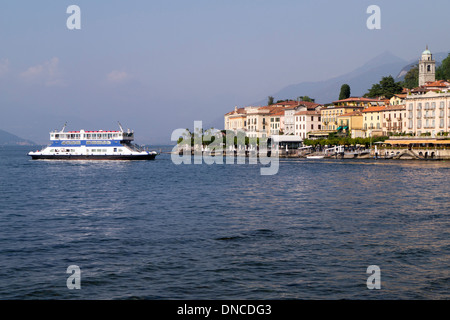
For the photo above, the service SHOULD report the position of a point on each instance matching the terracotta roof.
(238, 111)
(293, 104)
(287, 103)
(438, 83)
(374, 109)
(395, 107)
(309, 104)
(359, 99)
(340, 107)
(277, 113)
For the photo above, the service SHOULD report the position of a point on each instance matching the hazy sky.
(159, 65)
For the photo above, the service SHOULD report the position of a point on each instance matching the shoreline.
(383, 154)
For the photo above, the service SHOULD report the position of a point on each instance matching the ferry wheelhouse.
(93, 145)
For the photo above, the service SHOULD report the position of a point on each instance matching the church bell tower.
(427, 68)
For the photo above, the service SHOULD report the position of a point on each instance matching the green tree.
(306, 98)
(443, 71)
(345, 92)
(411, 78)
(387, 87)
(270, 101)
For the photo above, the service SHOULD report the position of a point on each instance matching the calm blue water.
(155, 230)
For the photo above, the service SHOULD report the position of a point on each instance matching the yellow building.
(330, 120)
(372, 121)
(352, 122)
(358, 102)
(330, 115)
(397, 99)
(236, 119)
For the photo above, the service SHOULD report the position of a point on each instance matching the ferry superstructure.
(92, 145)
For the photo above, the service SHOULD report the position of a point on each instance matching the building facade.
(306, 122)
(372, 121)
(428, 113)
(352, 122)
(394, 119)
(236, 119)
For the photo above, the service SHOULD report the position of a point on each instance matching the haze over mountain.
(360, 80)
(7, 138)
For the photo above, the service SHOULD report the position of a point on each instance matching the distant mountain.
(360, 81)
(438, 57)
(7, 138)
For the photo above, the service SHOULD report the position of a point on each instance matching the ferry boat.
(93, 145)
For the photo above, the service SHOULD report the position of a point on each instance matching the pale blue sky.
(159, 65)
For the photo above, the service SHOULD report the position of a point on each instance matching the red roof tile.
(374, 109)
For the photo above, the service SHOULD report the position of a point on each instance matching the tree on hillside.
(306, 98)
(411, 78)
(345, 92)
(443, 72)
(387, 87)
(270, 101)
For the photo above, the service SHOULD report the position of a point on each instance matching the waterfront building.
(330, 114)
(236, 119)
(352, 123)
(277, 122)
(372, 121)
(428, 113)
(307, 121)
(394, 119)
(289, 121)
(258, 120)
(291, 107)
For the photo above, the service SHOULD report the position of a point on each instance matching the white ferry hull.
(36, 156)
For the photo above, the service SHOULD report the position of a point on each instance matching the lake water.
(156, 230)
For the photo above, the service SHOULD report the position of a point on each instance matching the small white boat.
(315, 157)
